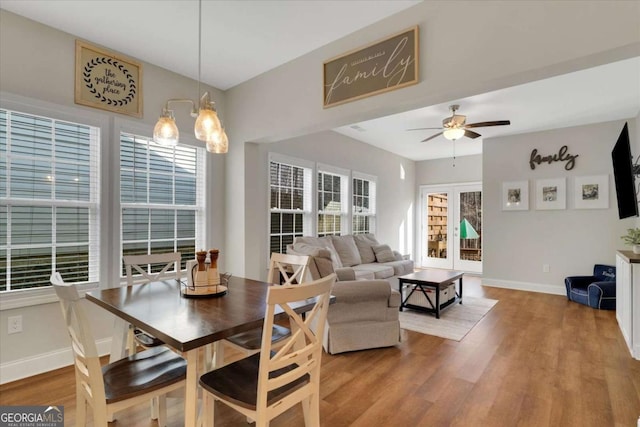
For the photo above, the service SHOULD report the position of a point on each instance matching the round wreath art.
(94, 89)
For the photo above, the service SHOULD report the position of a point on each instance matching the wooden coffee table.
(430, 279)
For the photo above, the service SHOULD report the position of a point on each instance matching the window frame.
(372, 214)
(42, 295)
(198, 208)
(308, 225)
(345, 192)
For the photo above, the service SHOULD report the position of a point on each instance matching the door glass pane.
(437, 225)
(470, 226)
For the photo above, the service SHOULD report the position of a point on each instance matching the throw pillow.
(347, 250)
(365, 242)
(384, 253)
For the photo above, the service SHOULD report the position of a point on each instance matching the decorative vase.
(636, 249)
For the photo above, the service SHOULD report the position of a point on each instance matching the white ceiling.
(600, 94)
(242, 39)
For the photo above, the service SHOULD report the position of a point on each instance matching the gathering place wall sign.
(388, 64)
(107, 81)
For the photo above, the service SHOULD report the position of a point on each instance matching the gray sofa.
(365, 314)
(352, 257)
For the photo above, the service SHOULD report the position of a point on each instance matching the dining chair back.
(142, 269)
(287, 269)
(152, 268)
(263, 386)
(118, 385)
(284, 269)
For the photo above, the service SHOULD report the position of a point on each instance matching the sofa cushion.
(364, 243)
(402, 267)
(380, 271)
(321, 242)
(347, 250)
(383, 253)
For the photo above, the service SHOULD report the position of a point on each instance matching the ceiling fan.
(454, 127)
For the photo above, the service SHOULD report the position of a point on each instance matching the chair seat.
(142, 372)
(238, 382)
(252, 340)
(145, 339)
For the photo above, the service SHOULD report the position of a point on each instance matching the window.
(332, 203)
(290, 202)
(49, 193)
(161, 197)
(364, 204)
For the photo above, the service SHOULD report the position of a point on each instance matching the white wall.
(487, 46)
(394, 198)
(570, 241)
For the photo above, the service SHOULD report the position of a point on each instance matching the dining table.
(189, 324)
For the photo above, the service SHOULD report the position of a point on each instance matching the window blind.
(162, 198)
(49, 194)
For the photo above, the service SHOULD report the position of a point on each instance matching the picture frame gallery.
(589, 192)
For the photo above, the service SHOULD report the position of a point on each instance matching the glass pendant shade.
(218, 144)
(166, 132)
(453, 133)
(207, 124)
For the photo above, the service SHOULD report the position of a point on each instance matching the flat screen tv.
(623, 174)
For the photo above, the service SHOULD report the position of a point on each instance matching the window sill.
(30, 297)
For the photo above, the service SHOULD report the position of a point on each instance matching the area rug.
(454, 323)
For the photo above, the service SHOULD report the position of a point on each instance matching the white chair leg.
(208, 408)
(218, 348)
(162, 410)
(153, 407)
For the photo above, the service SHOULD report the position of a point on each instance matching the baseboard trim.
(45, 362)
(525, 286)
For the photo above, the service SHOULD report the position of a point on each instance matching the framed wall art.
(107, 81)
(515, 196)
(591, 192)
(388, 64)
(551, 194)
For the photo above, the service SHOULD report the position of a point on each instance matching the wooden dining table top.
(186, 323)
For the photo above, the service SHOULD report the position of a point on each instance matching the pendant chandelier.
(208, 127)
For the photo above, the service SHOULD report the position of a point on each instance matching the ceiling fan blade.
(431, 137)
(424, 129)
(483, 124)
(471, 134)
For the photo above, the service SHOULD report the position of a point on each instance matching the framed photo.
(107, 81)
(515, 196)
(591, 192)
(551, 194)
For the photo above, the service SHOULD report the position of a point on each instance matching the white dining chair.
(127, 382)
(284, 269)
(265, 385)
(142, 269)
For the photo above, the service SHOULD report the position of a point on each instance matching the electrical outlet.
(545, 268)
(14, 324)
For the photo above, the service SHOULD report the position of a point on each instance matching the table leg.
(460, 289)
(437, 301)
(400, 290)
(191, 389)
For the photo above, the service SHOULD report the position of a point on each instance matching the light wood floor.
(534, 360)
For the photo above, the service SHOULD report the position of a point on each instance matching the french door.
(451, 227)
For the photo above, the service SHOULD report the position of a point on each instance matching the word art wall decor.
(107, 81)
(561, 156)
(385, 65)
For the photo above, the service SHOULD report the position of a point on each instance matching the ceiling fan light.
(453, 133)
(165, 131)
